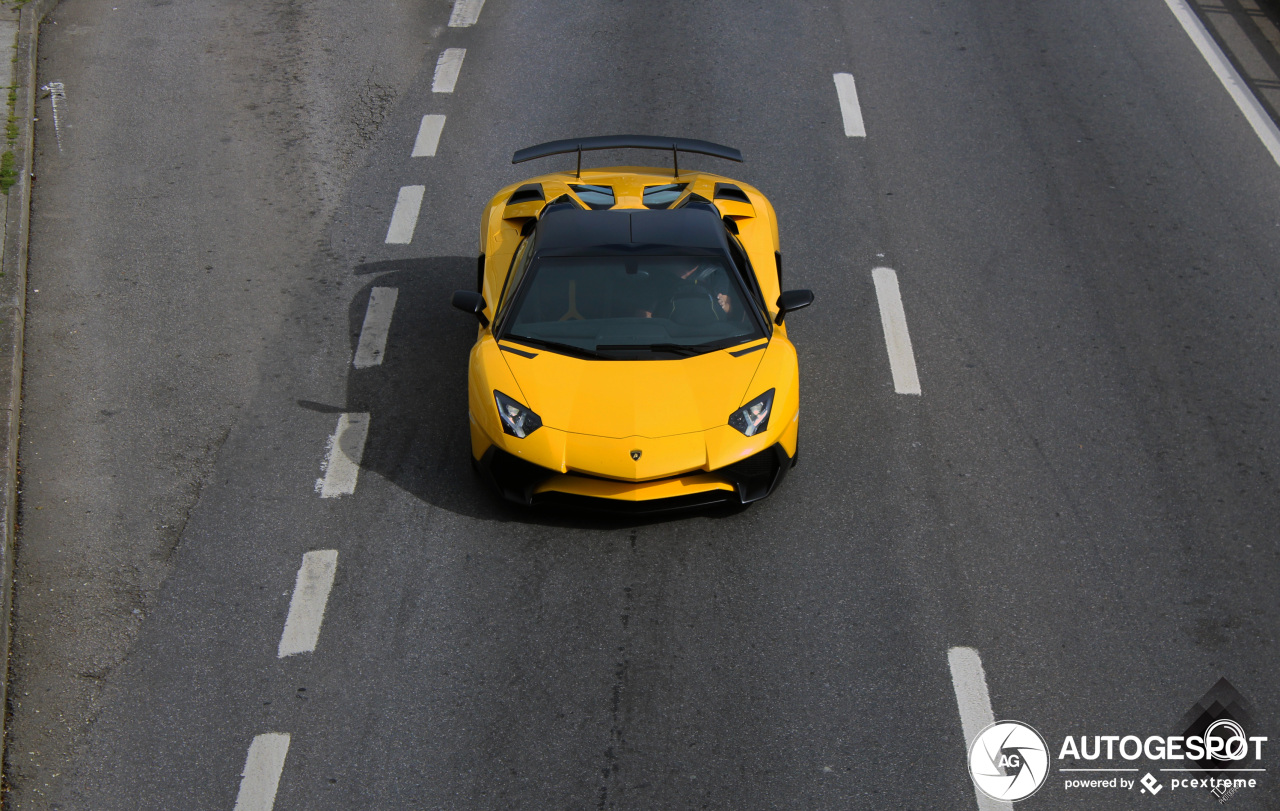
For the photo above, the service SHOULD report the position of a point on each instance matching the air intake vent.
(526, 193)
(728, 191)
(763, 465)
(561, 202)
(695, 200)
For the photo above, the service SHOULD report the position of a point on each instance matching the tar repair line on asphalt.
(850, 111)
(377, 323)
(405, 216)
(1230, 78)
(261, 775)
(465, 13)
(306, 608)
(902, 361)
(970, 683)
(448, 66)
(342, 461)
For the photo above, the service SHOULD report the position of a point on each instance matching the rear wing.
(580, 145)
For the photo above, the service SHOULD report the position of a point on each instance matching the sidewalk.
(18, 30)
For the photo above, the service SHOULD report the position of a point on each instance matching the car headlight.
(753, 417)
(517, 420)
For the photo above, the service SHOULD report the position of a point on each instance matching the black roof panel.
(576, 228)
(570, 230)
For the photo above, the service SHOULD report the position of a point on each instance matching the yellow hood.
(624, 398)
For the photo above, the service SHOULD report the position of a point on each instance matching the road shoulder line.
(1248, 103)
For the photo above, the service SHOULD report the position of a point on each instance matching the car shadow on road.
(417, 397)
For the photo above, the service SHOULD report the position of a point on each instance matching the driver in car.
(708, 275)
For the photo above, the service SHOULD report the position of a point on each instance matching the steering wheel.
(701, 309)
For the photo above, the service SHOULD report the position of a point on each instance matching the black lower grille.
(757, 475)
(623, 507)
(753, 478)
(513, 477)
(762, 465)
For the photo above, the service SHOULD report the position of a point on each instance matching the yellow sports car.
(632, 353)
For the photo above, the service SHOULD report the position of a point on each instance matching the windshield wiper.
(675, 349)
(565, 349)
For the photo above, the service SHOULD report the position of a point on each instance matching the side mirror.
(469, 301)
(788, 301)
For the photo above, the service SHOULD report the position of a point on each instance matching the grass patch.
(8, 161)
(8, 174)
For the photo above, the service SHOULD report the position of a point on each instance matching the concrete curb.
(13, 299)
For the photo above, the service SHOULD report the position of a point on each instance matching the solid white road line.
(849, 109)
(970, 683)
(405, 217)
(377, 323)
(428, 136)
(261, 775)
(1230, 78)
(901, 359)
(447, 68)
(310, 596)
(465, 13)
(342, 461)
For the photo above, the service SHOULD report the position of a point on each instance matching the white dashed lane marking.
(342, 462)
(465, 13)
(377, 323)
(405, 217)
(261, 775)
(428, 137)
(447, 68)
(974, 702)
(1230, 78)
(902, 361)
(847, 92)
(310, 596)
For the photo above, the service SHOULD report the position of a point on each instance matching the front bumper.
(742, 482)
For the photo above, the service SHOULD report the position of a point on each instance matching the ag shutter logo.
(1009, 760)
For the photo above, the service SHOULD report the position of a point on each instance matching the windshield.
(630, 307)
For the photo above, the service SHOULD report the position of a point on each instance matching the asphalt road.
(1085, 234)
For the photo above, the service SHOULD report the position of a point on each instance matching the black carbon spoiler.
(580, 145)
